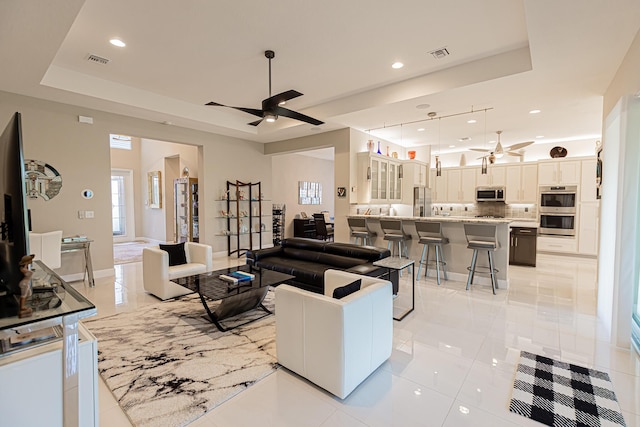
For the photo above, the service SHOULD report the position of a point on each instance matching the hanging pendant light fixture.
(483, 170)
(438, 165)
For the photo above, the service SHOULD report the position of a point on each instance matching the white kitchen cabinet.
(560, 244)
(588, 228)
(588, 181)
(414, 174)
(438, 186)
(559, 172)
(461, 185)
(395, 183)
(378, 180)
(522, 183)
(496, 176)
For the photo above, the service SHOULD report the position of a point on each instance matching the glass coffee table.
(233, 298)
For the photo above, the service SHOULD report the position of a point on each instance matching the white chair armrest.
(336, 278)
(199, 253)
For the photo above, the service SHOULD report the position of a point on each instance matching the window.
(121, 142)
(118, 205)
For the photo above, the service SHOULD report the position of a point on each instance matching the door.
(122, 212)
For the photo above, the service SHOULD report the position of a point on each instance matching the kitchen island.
(456, 254)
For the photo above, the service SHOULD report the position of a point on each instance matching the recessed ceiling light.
(534, 111)
(422, 106)
(539, 136)
(472, 121)
(397, 65)
(452, 146)
(421, 130)
(117, 42)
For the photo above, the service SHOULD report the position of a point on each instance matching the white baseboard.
(97, 274)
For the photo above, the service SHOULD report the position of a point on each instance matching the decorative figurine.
(25, 285)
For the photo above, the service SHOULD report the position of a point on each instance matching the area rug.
(167, 365)
(555, 393)
(127, 252)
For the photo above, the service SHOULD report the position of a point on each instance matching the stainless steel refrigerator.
(421, 201)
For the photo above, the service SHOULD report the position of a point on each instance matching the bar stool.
(482, 237)
(394, 233)
(430, 233)
(360, 230)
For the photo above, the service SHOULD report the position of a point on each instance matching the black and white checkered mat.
(561, 394)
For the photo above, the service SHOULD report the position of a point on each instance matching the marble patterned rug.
(167, 365)
(127, 252)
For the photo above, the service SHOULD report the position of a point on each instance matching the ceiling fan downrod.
(269, 54)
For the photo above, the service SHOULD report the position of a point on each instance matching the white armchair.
(47, 247)
(335, 343)
(157, 274)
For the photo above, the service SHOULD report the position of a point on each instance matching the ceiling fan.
(499, 151)
(272, 106)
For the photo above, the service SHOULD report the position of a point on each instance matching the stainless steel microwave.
(490, 194)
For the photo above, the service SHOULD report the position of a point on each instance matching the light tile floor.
(453, 361)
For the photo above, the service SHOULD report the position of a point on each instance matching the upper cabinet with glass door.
(378, 179)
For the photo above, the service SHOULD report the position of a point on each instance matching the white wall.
(81, 154)
(340, 141)
(158, 224)
(288, 169)
(619, 247)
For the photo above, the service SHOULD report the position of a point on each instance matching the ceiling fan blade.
(519, 146)
(256, 123)
(281, 97)
(482, 150)
(297, 116)
(253, 111)
(513, 153)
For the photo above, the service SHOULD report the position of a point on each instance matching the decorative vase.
(370, 146)
(412, 154)
(379, 152)
(387, 151)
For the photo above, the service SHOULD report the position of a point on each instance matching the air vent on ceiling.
(440, 53)
(98, 59)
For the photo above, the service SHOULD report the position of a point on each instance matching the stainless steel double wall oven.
(558, 210)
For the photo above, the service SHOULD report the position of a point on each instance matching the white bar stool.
(482, 237)
(430, 233)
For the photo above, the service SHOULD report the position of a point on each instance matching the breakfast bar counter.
(456, 254)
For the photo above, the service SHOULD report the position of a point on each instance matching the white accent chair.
(47, 247)
(335, 343)
(157, 274)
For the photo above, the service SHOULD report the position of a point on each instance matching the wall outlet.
(526, 209)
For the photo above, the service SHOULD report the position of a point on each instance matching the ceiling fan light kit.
(499, 151)
(272, 107)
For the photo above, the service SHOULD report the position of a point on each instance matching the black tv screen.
(13, 216)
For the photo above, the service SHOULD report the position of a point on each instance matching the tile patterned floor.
(453, 360)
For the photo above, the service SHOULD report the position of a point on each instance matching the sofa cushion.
(345, 290)
(367, 253)
(177, 256)
(184, 270)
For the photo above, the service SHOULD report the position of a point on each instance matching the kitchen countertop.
(519, 222)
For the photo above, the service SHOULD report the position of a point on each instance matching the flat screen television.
(14, 243)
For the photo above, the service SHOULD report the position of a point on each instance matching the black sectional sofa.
(307, 260)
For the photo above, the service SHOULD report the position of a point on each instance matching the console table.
(304, 227)
(28, 368)
(80, 244)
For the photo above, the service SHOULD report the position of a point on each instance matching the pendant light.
(438, 165)
(499, 151)
(483, 170)
(400, 169)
